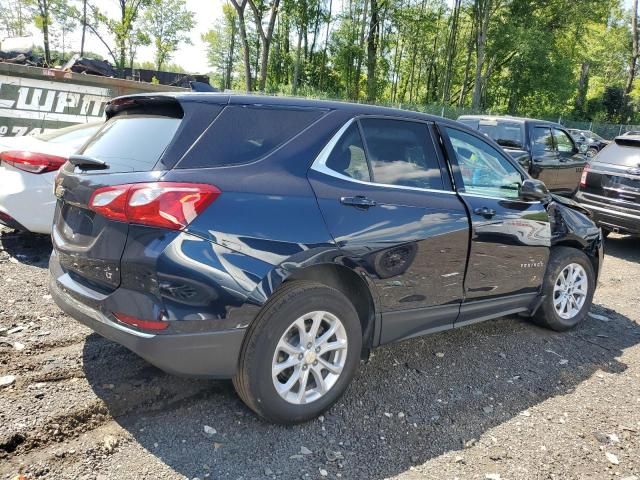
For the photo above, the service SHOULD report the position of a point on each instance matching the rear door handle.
(486, 212)
(358, 201)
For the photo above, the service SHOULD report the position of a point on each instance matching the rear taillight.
(583, 178)
(32, 162)
(160, 204)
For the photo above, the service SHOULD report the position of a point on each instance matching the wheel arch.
(352, 285)
(593, 257)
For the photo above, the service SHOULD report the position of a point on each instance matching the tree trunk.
(634, 49)
(230, 56)
(372, 51)
(265, 37)
(84, 26)
(483, 14)
(363, 30)
(583, 85)
(467, 69)
(451, 52)
(246, 56)
(296, 70)
(326, 46)
(43, 6)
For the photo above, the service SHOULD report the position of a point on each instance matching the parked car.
(610, 186)
(592, 140)
(545, 149)
(275, 241)
(28, 166)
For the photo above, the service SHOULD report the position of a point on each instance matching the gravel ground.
(503, 399)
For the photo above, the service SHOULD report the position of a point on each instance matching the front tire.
(300, 353)
(568, 287)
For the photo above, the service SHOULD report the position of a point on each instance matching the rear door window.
(348, 158)
(542, 140)
(401, 153)
(245, 133)
(132, 143)
(563, 142)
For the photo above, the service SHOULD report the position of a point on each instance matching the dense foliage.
(546, 58)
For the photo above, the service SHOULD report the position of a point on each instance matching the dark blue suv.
(275, 241)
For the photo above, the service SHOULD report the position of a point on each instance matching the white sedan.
(28, 167)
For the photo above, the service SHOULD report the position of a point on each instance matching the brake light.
(168, 205)
(141, 324)
(583, 178)
(32, 162)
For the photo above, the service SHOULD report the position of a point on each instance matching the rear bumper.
(611, 216)
(201, 354)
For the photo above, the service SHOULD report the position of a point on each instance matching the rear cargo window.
(132, 143)
(242, 134)
(624, 153)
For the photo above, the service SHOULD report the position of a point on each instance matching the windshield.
(505, 134)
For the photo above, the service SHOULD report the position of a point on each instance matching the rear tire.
(276, 358)
(568, 287)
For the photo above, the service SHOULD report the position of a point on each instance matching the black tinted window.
(401, 153)
(347, 158)
(132, 143)
(506, 134)
(542, 140)
(244, 133)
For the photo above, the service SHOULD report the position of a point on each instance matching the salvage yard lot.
(503, 399)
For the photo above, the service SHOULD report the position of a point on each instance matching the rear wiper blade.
(87, 163)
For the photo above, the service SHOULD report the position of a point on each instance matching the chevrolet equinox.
(276, 241)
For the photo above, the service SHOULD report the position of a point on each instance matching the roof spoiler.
(628, 141)
(145, 104)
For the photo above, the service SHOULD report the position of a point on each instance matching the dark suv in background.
(275, 241)
(592, 140)
(610, 186)
(545, 149)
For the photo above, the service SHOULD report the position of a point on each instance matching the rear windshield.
(627, 154)
(505, 134)
(245, 133)
(132, 143)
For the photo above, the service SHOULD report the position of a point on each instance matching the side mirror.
(584, 148)
(532, 190)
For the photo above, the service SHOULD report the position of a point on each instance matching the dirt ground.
(499, 400)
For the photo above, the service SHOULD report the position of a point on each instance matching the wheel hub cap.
(570, 291)
(309, 357)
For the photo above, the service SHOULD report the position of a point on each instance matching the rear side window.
(245, 133)
(132, 143)
(401, 153)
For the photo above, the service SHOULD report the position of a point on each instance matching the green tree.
(168, 23)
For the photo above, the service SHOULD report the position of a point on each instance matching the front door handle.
(359, 201)
(486, 212)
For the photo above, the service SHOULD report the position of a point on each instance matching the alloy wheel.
(309, 357)
(570, 291)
